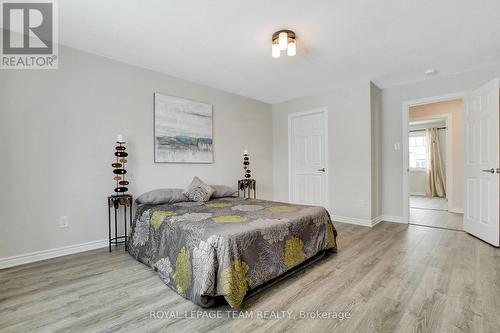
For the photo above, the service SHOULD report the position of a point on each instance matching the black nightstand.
(115, 201)
(247, 186)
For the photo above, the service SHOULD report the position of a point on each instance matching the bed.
(228, 247)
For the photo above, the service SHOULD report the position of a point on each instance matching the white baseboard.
(456, 210)
(376, 220)
(357, 221)
(352, 220)
(51, 253)
(422, 194)
(395, 219)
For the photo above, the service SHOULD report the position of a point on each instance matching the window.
(418, 153)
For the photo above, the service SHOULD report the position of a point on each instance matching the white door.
(308, 157)
(481, 217)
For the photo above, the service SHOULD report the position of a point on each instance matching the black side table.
(115, 201)
(247, 186)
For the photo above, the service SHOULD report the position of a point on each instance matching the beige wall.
(417, 180)
(57, 132)
(456, 110)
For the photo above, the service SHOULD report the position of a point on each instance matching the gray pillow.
(198, 191)
(162, 196)
(221, 191)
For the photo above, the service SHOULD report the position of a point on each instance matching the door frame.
(405, 146)
(291, 116)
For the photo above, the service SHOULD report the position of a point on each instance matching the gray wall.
(392, 111)
(57, 141)
(349, 124)
(57, 131)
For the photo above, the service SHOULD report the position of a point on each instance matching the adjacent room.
(436, 160)
(249, 166)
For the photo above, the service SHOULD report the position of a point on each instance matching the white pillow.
(198, 190)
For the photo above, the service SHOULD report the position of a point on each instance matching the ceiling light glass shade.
(291, 49)
(276, 51)
(283, 40)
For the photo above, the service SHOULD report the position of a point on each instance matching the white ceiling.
(227, 44)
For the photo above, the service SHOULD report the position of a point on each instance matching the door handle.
(322, 170)
(492, 170)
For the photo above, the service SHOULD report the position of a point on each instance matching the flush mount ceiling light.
(284, 40)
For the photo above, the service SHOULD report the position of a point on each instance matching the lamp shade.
(291, 49)
(283, 40)
(276, 51)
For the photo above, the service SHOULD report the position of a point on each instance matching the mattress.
(228, 247)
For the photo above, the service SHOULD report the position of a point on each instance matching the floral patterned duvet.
(227, 246)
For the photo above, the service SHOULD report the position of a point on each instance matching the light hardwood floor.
(391, 278)
(437, 218)
(433, 212)
(423, 202)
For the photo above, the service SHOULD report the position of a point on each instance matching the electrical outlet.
(63, 222)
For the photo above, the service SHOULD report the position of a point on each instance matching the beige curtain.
(435, 173)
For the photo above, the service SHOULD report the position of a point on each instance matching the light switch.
(397, 146)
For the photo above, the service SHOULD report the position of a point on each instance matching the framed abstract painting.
(182, 130)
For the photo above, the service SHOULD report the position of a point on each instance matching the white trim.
(394, 219)
(357, 221)
(420, 194)
(456, 210)
(352, 220)
(324, 111)
(51, 253)
(405, 119)
(370, 223)
(376, 220)
(435, 99)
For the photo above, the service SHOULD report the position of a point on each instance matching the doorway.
(308, 157)
(480, 163)
(435, 164)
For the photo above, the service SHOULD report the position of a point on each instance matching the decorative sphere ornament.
(246, 165)
(119, 168)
